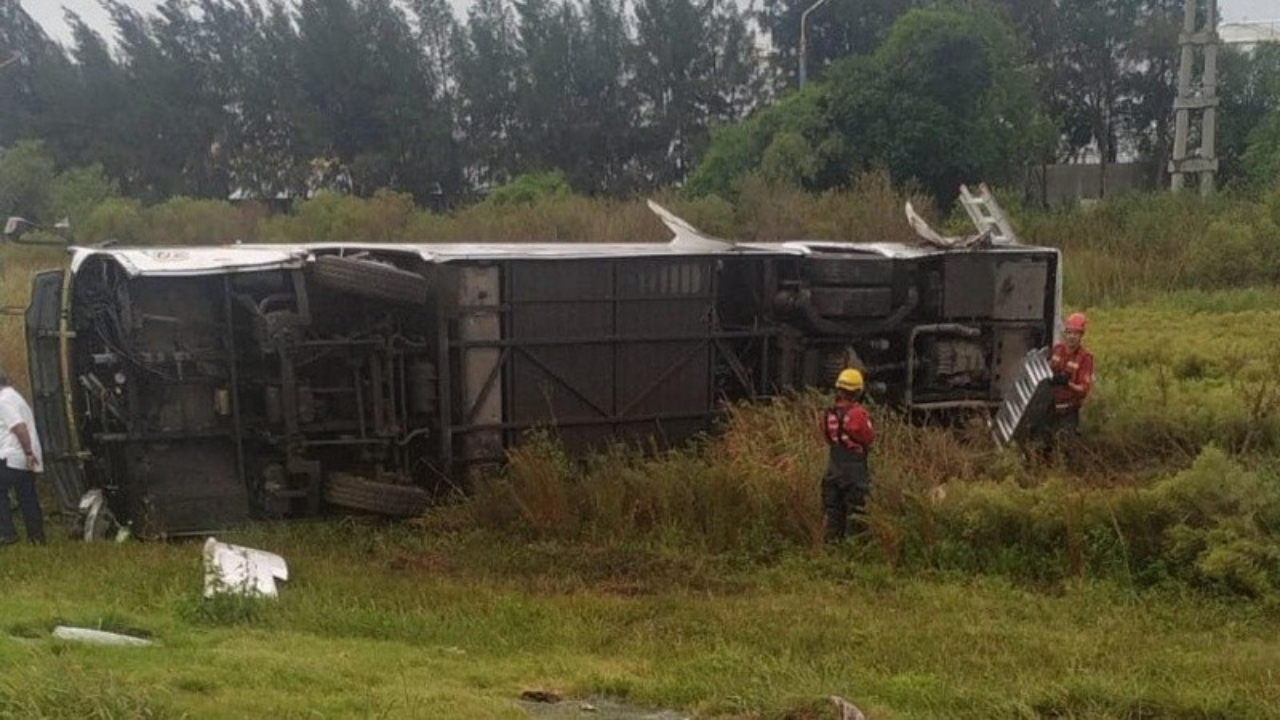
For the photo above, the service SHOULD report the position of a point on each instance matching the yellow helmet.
(850, 379)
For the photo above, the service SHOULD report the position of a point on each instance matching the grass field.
(402, 622)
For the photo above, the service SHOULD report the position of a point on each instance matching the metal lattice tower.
(1196, 95)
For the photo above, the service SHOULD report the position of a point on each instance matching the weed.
(223, 609)
(75, 693)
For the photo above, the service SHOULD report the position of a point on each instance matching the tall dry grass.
(18, 264)
(871, 209)
(751, 485)
(941, 499)
(1137, 245)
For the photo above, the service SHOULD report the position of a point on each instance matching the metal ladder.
(986, 215)
(1027, 401)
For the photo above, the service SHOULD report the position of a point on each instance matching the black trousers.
(845, 487)
(23, 484)
(1058, 431)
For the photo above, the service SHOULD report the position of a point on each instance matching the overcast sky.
(49, 13)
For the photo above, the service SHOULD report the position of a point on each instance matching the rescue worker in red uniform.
(849, 434)
(1072, 379)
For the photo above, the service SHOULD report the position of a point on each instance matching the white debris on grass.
(238, 570)
(98, 637)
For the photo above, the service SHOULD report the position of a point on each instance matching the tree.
(737, 75)
(1112, 80)
(172, 118)
(1250, 97)
(254, 50)
(838, 29)
(488, 67)
(336, 121)
(260, 98)
(604, 104)
(798, 123)
(30, 66)
(548, 39)
(1149, 84)
(26, 173)
(670, 63)
(1261, 159)
(440, 40)
(75, 192)
(691, 62)
(416, 152)
(86, 114)
(948, 98)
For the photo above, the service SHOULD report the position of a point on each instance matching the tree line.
(221, 98)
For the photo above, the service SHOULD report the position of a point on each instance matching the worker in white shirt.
(20, 460)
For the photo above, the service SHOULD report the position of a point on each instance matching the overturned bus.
(200, 387)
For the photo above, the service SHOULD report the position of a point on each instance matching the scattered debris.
(542, 696)
(233, 569)
(96, 522)
(848, 711)
(950, 242)
(686, 235)
(98, 637)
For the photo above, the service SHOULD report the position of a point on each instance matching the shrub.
(119, 219)
(528, 189)
(187, 221)
(76, 192)
(1219, 525)
(1227, 254)
(26, 174)
(335, 217)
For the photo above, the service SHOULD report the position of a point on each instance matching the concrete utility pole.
(804, 41)
(1200, 98)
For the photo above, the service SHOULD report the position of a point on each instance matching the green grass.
(401, 621)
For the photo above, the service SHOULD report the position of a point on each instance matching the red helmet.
(1076, 322)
